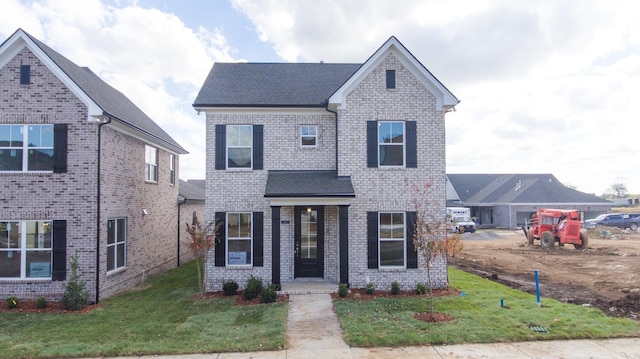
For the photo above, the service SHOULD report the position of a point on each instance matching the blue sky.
(547, 86)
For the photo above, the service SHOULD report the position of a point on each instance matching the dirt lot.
(605, 275)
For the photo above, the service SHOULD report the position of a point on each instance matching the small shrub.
(395, 288)
(75, 297)
(253, 288)
(421, 288)
(41, 302)
(369, 288)
(269, 294)
(12, 302)
(230, 287)
(343, 290)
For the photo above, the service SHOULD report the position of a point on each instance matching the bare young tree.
(430, 229)
(201, 240)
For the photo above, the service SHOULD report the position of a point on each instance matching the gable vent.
(25, 74)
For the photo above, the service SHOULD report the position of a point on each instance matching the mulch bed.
(282, 298)
(30, 306)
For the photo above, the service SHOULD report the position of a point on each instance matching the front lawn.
(478, 318)
(160, 318)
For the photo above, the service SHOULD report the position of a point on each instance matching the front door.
(309, 242)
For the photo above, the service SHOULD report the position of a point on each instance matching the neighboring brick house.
(83, 170)
(190, 204)
(508, 200)
(306, 167)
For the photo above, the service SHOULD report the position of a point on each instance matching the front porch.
(308, 286)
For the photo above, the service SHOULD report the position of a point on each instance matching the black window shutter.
(25, 74)
(258, 239)
(220, 249)
(59, 270)
(391, 79)
(372, 144)
(412, 146)
(258, 147)
(221, 147)
(412, 254)
(60, 148)
(372, 240)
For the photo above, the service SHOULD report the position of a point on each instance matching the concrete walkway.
(313, 332)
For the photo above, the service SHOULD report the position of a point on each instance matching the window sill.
(25, 280)
(396, 269)
(116, 271)
(150, 182)
(239, 267)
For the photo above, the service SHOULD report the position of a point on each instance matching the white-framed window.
(26, 249)
(391, 235)
(150, 163)
(308, 136)
(26, 148)
(172, 169)
(239, 146)
(116, 243)
(391, 135)
(239, 238)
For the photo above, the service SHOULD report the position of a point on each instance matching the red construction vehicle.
(556, 225)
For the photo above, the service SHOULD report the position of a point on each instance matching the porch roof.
(308, 184)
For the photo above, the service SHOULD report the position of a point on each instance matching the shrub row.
(252, 290)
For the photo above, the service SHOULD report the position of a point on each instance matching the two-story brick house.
(83, 170)
(306, 168)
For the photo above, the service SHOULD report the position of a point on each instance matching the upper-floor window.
(239, 146)
(116, 243)
(172, 169)
(391, 79)
(150, 164)
(25, 249)
(391, 234)
(391, 143)
(25, 148)
(308, 136)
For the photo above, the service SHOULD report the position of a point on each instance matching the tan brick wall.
(71, 196)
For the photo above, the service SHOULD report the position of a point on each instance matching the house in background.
(84, 171)
(508, 200)
(190, 206)
(306, 168)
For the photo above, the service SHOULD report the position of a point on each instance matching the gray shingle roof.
(191, 191)
(112, 101)
(272, 84)
(516, 188)
(308, 184)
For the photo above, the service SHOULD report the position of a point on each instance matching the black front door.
(309, 242)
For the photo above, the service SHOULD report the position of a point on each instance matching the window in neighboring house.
(26, 148)
(391, 234)
(239, 238)
(25, 74)
(150, 164)
(172, 169)
(239, 146)
(391, 79)
(309, 136)
(391, 143)
(25, 249)
(116, 243)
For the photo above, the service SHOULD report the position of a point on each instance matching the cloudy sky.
(547, 86)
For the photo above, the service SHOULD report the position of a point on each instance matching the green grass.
(160, 319)
(478, 318)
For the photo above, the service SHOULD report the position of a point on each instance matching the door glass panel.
(309, 235)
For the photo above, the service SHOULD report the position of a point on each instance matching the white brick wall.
(376, 189)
